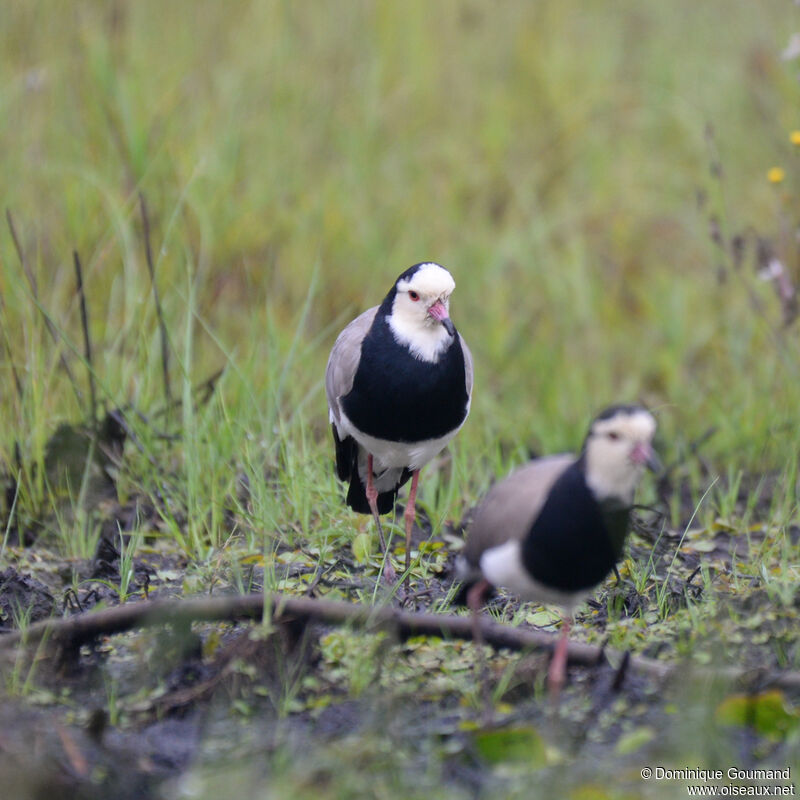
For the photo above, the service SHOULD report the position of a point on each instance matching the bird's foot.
(409, 599)
(389, 573)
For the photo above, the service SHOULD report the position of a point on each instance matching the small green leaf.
(519, 745)
(701, 546)
(211, 644)
(768, 713)
(361, 547)
(242, 708)
(543, 618)
(632, 741)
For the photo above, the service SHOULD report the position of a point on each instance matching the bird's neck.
(424, 342)
(613, 491)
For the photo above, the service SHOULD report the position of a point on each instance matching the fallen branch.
(71, 632)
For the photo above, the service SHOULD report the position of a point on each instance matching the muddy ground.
(163, 713)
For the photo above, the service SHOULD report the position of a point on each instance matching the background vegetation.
(580, 167)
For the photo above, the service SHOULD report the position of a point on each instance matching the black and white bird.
(399, 383)
(555, 528)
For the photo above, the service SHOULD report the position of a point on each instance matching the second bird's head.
(616, 451)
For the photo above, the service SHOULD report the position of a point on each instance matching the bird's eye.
(414, 296)
(613, 435)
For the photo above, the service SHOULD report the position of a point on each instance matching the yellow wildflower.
(794, 138)
(775, 174)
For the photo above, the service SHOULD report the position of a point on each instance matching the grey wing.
(343, 361)
(468, 370)
(511, 505)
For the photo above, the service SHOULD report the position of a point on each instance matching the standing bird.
(399, 381)
(555, 528)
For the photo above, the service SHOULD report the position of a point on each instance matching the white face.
(415, 296)
(421, 305)
(617, 451)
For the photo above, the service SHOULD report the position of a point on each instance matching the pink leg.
(557, 674)
(475, 597)
(410, 514)
(372, 498)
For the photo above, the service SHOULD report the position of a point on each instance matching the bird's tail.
(357, 496)
(347, 470)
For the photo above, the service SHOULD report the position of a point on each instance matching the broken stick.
(72, 632)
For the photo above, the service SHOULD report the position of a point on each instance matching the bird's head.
(616, 451)
(420, 310)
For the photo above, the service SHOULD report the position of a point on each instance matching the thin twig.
(691, 451)
(51, 328)
(87, 341)
(7, 343)
(21, 255)
(70, 633)
(162, 327)
(205, 389)
(663, 483)
(621, 673)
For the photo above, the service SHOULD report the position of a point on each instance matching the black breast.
(401, 398)
(574, 543)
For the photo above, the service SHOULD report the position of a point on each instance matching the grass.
(294, 160)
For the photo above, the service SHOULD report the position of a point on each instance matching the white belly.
(389, 459)
(387, 454)
(502, 566)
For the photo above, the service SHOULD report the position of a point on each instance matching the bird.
(553, 529)
(399, 386)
